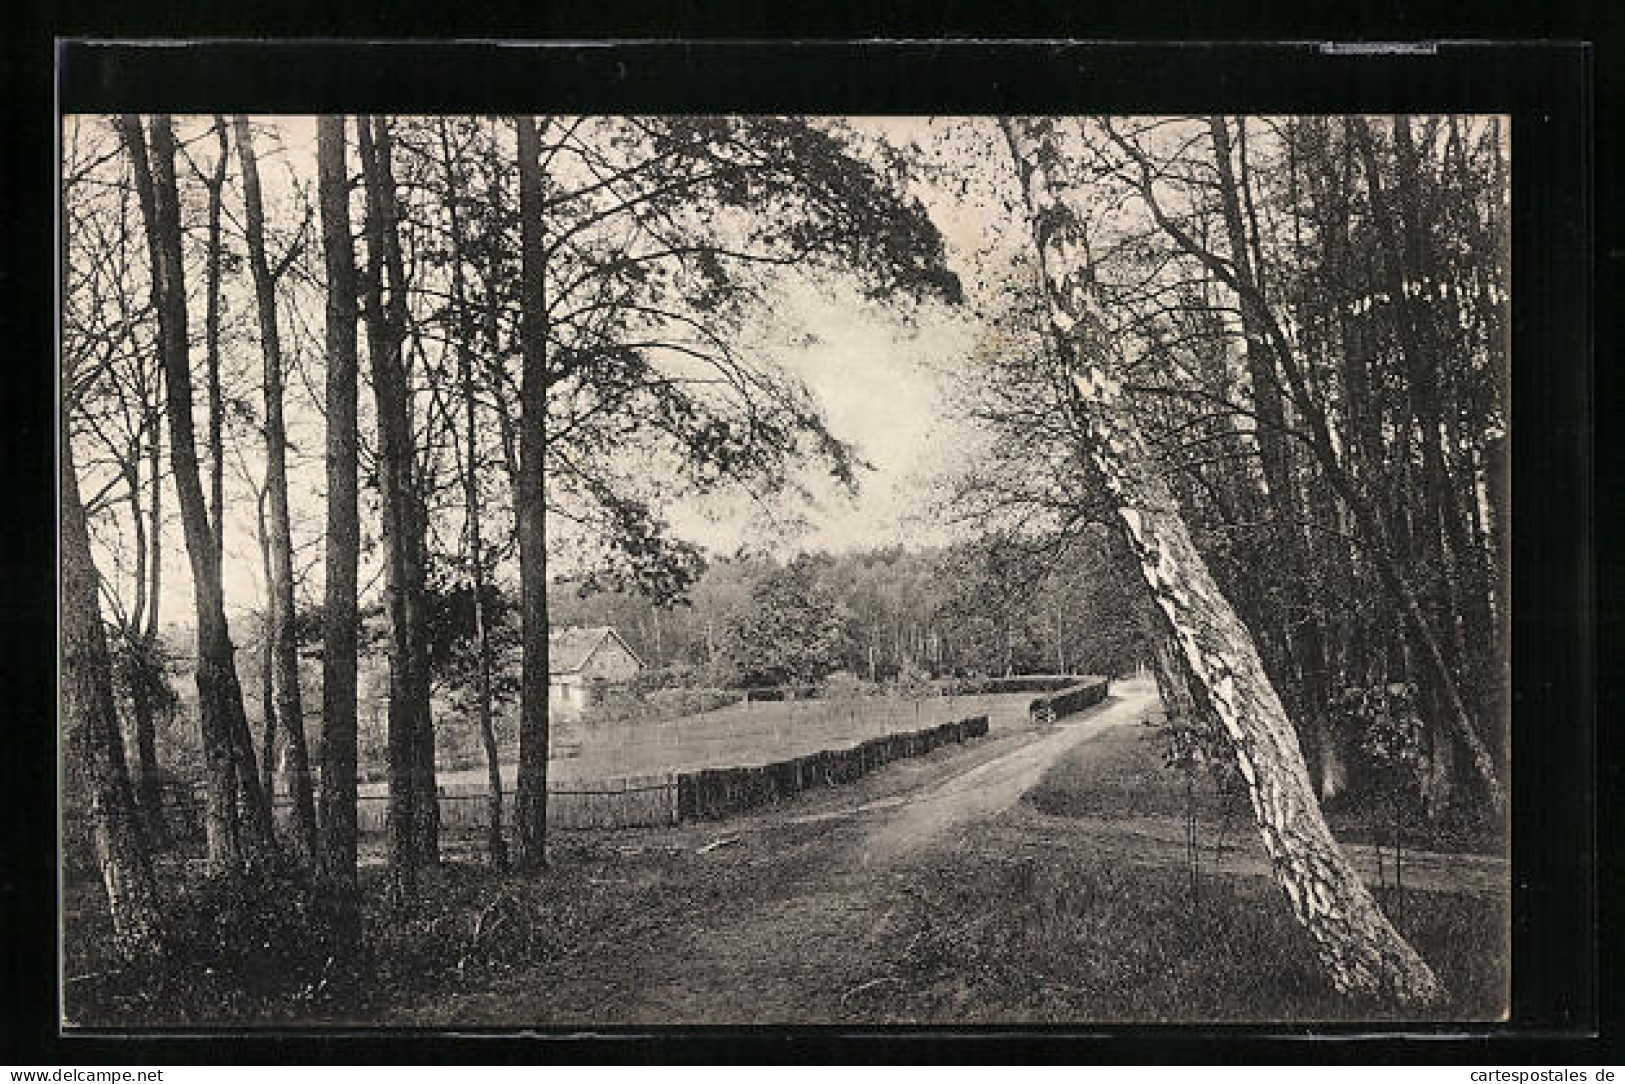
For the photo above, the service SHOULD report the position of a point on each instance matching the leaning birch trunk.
(1360, 951)
(1173, 684)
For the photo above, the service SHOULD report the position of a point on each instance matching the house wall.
(610, 662)
(571, 693)
(567, 694)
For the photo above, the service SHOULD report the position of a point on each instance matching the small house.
(579, 659)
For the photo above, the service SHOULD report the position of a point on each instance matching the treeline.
(972, 609)
(889, 616)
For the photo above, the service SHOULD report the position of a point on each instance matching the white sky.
(876, 384)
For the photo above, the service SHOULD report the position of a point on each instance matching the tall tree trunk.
(384, 348)
(340, 627)
(155, 557)
(268, 711)
(1306, 638)
(280, 588)
(147, 744)
(268, 726)
(149, 787)
(1360, 951)
(531, 510)
(140, 637)
(463, 332)
(227, 748)
(1441, 534)
(426, 829)
(507, 428)
(211, 344)
(1329, 185)
(91, 717)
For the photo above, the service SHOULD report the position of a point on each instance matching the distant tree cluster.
(980, 608)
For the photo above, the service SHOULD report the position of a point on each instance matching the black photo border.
(1545, 87)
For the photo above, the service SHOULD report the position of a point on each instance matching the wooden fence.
(669, 798)
(1067, 701)
(638, 802)
(720, 792)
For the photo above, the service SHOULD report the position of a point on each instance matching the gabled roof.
(569, 649)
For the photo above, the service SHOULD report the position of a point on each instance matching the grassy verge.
(1120, 774)
(1075, 941)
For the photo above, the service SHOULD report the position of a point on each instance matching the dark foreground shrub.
(266, 943)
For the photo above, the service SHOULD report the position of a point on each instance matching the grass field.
(746, 734)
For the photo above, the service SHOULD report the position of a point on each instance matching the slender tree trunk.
(1060, 644)
(1299, 623)
(224, 726)
(426, 829)
(279, 589)
(268, 710)
(425, 834)
(384, 342)
(268, 707)
(1442, 535)
(1360, 951)
(492, 319)
(152, 799)
(496, 844)
(211, 345)
(340, 628)
(1330, 192)
(148, 786)
(91, 719)
(531, 511)
(155, 558)
(144, 674)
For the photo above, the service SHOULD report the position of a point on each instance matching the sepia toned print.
(597, 571)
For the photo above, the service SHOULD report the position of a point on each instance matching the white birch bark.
(1360, 950)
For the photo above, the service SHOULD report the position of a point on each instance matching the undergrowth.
(279, 949)
(1122, 774)
(1124, 944)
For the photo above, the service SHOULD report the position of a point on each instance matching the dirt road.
(827, 908)
(974, 795)
(801, 902)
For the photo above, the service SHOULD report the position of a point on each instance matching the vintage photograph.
(557, 571)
